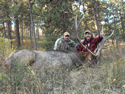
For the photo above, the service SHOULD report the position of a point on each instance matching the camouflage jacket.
(61, 44)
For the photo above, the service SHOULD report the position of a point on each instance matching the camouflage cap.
(66, 33)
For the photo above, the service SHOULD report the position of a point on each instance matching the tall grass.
(104, 78)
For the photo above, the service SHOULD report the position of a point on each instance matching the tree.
(16, 17)
(32, 25)
(8, 20)
(57, 16)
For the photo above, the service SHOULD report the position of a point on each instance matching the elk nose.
(89, 59)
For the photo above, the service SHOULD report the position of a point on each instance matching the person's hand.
(102, 34)
(82, 41)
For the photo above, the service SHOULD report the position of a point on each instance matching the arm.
(72, 43)
(102, 34)
(57, 44)
(79, 48)
(99, 39)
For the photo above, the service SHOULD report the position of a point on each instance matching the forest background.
(41, 22)
(36, 24)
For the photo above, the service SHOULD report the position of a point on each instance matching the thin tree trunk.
(116, 34)
(85, 17)
(95, 15)
(30, 32)
(17, 28)
(8, 25)
(38, 29)
(22, 31)
(22, 23)
(4, 30)
(9, 32)
(97, 19)
(33, 30)
(17, 32)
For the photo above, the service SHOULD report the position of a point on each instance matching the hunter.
(65, 43)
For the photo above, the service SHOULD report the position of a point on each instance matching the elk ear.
(83, 53)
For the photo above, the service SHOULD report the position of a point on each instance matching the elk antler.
(77, 25)
(102, 44)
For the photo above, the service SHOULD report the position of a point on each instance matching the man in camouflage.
(64, 43)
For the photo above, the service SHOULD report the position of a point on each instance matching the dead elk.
(39, 59)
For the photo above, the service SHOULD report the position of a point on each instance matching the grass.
(98, 80)
(107, 77)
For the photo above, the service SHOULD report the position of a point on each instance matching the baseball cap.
(66, 33)
(88, 31)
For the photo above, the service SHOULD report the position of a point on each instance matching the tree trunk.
(117, 44)
(95, 14)
(22, 23)
(8, 25)
(32, 26)
(4, 32)
(30, 32)
(17, 27)
(9, 32)
(22, 31)
(85, 17)
(116, 35)
(38, 29)
(17, 32)
(97, 18)
(122, 24)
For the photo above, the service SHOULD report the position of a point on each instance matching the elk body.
(52, 58)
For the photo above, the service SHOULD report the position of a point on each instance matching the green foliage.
(57, 17)
(48, 42)
(5, 49)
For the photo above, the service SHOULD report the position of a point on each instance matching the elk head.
(91, 58)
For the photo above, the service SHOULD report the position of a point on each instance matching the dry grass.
(107, 78)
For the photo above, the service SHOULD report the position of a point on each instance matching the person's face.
(66, 38)
(88, 36)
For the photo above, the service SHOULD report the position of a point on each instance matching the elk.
(40, 59)
(51, 58)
